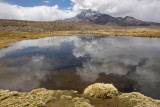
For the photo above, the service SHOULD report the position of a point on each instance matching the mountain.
(88, 13)
(83, 16)
(96, 17)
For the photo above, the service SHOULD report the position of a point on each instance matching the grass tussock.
(100, 90)
(69, 98)
(35, 98)
(12, 36)
(8, 37)
(138, 100)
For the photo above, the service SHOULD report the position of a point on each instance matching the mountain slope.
(82, 17)
(39, 26)
(90, 16)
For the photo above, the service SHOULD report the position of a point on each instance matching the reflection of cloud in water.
(23, 78)
(90, 70)
(25, 64)
(24, 69)
(148, 77)
(40, 43)
(118, 56)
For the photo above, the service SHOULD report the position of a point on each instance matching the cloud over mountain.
(147, 10)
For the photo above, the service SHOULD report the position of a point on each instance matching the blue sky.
(63, 4)
(50, 10)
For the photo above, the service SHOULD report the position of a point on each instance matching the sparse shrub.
(100, 90)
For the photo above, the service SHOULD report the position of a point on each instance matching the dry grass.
(136, 99)
(38, 26)
(14, 30)
(8, 37)
(136, 32)
(58, 98)
(12, 36)
(100, 90)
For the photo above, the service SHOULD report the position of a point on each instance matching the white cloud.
(147, 10)
(142, 9)
(45, 1)
(37, 13)
(69, 8)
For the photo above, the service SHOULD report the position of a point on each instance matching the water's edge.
(49, 98)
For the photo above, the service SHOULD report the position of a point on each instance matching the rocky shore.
(96, 95)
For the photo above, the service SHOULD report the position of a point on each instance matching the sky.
(30, 3)
(50, 10)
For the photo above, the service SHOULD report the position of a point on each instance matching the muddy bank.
(96, 95)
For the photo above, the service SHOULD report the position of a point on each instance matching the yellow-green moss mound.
(100, 90)
(94, 96)
(37, 97)
(81, 102)
(136, 99)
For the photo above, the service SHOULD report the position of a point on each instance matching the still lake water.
(131, 64)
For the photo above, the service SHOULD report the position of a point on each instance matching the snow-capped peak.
(88, 13)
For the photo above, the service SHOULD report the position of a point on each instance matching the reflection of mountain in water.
(132, 64)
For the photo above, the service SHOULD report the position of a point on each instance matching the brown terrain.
(96, 95)
(36, 26)
(16, 30)
(83, 24)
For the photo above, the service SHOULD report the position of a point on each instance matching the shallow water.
(131, 64)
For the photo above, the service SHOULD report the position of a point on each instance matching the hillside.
(15, 30)
(90, 16)
(37, 26)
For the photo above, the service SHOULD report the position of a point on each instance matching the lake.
(72, 62)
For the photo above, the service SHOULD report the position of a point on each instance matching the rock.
(64, 97)
(100, 90)
(75, 92)
(24, 36)
(84, 104)
(38, 91)
(81, 102)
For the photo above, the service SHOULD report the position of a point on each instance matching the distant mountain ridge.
(96, 17)
(88, 13)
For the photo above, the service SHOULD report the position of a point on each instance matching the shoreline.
(44, 97)
(8, 37)
(93, 96)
